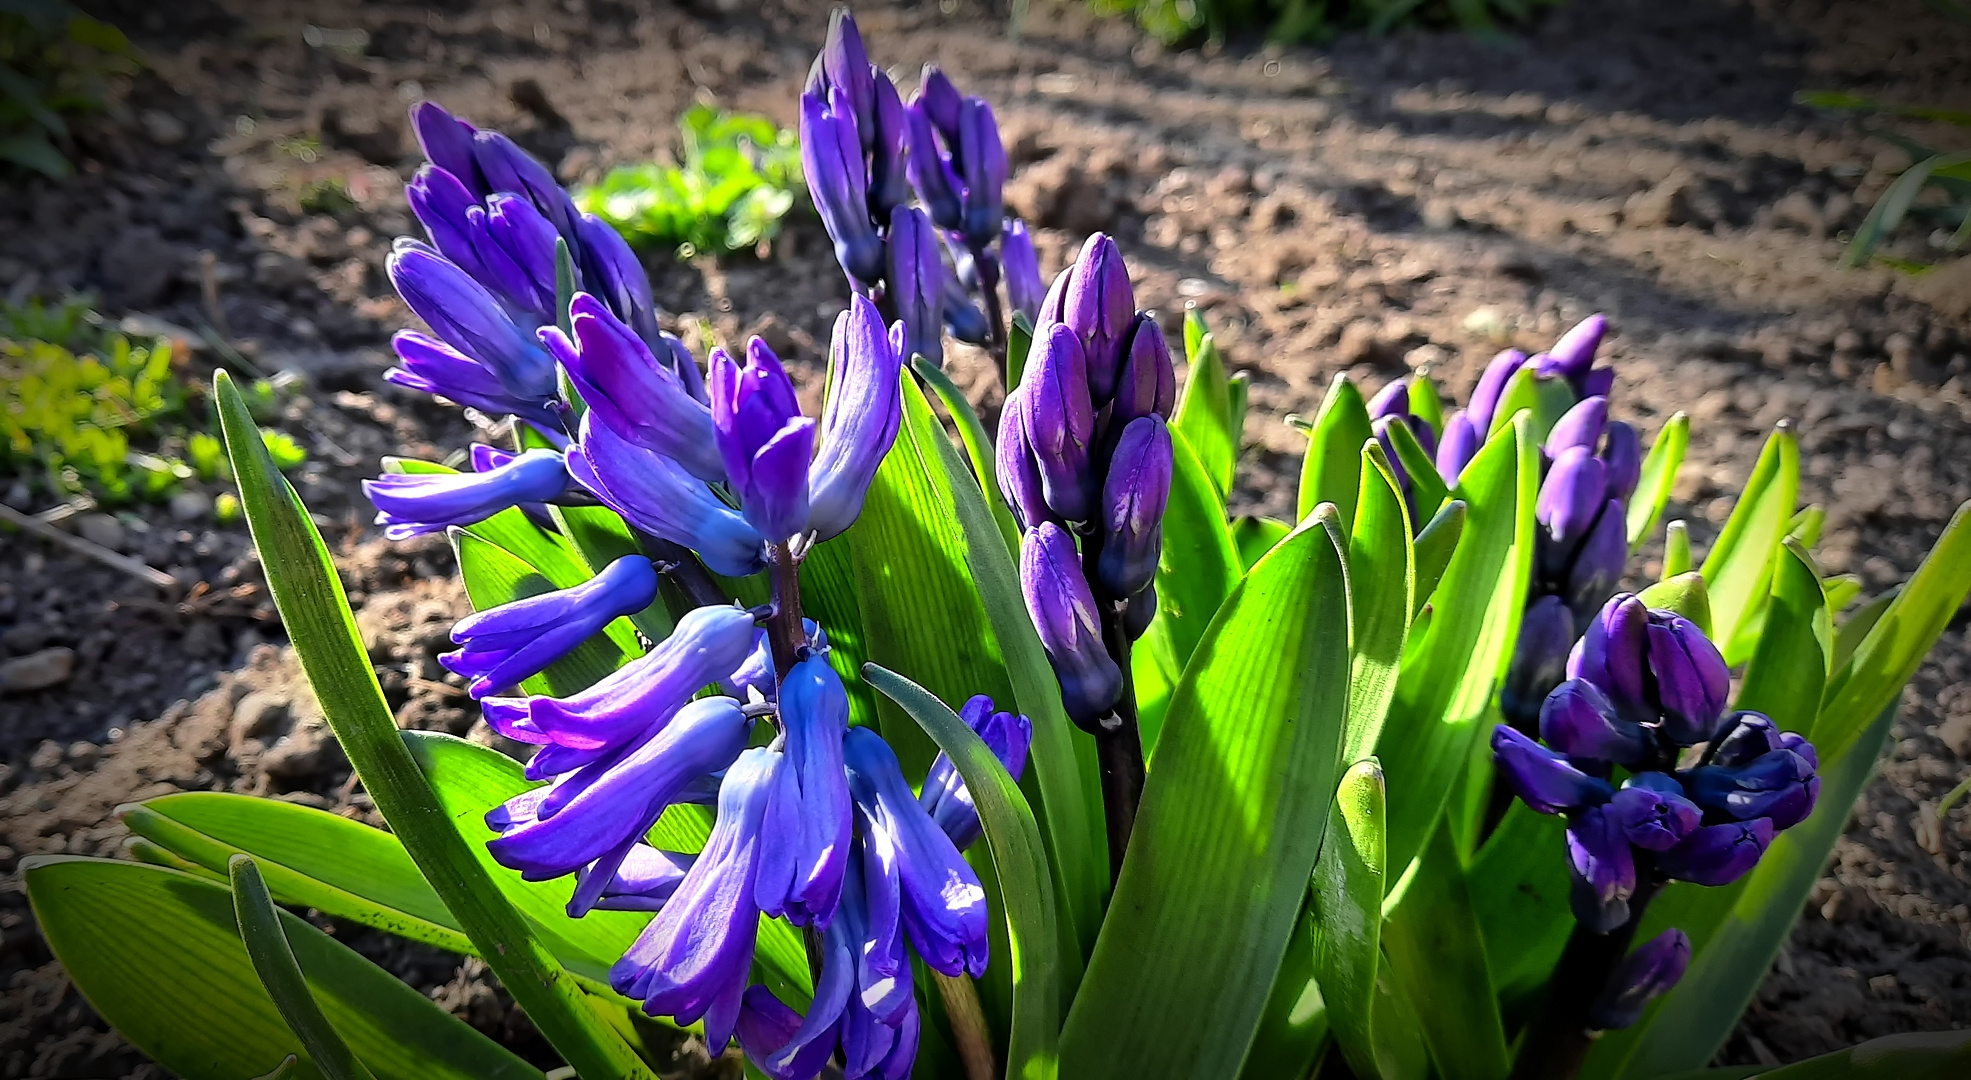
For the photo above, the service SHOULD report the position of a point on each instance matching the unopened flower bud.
(1069, 623)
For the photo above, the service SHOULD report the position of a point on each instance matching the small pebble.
(101, 529)
(190, 505)
(37, 671)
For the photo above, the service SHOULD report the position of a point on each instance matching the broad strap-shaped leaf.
(1424, 482)
(1196, 572)
(1255, 536)
(1518, 886)
(1426, 404)
(1230, 823)
(1925, 1055)
(1332, 467)
(280, 975)
(1204, 413)
(1740, 564)
(1431, 552)
(828, 596)
(1349, 882)
(158, 954)
(1437, 953)
(1293, 1030)
(1544, 401)
(1019, 861)
(1379, 582)
(978, 446)
(1659, 478)
(309, 595)
(1788, 671)
(494, 576)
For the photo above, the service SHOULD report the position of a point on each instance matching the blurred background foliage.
(53, 63)
(1289, 22)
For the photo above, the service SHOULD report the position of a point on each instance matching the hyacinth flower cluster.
(865, 151)
(1644, 686)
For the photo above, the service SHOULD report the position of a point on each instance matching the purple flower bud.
(1539, 660)
(693, 959)
(1458, 446)
(443, 204)
(602, 809)
(645, 880)
(1134, 494)
(1392, 400)
(508, 643)
(470, 319)
(1613, 654)
(656, 495)
(612, 271)
(1718, 854)
(945, 796)
(1780, 785)
(962, 317)
(1024, 287)
(1141, 612)
(844, 64)
(1686, 681)
(1491, 385)
(430, 365)
(1653, 811)
(409, 504)
(1573, 355)
(916, 278)
(508, 168)
(831, 157)
(860, 419)
(1742, 737)
(1060, 423)
(1017, 467)
(756, 673)
(1601, 867)
(1578, 720)
(943, 906)
(1798, 744)
(1621, 457)
(983, 158)
(1597, 564)
(1099, 306)
(1647, 973)
(628, 390)
(889, 178)
(941, 102)
(1570, 499)
(1070, 625)
(516, 246)
(1545, 780)
(930, 168)
(765, 441)
(803, 882)
(1147, 385)
(1598, 383)
(707, 645)
(1581, 426)
(778, 1041)
(447, 142)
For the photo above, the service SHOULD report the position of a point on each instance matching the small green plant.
(738, 178)
(1300, 21)
(53, 61)
(1932, 170)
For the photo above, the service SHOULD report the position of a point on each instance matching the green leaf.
(1855, 628)
(1019, 339)
(1676, 549)
(1195, 573)
(1399, 1043)
(1432, 552)
(1239, 792)
(1204, 413)
(1425, 404)
(1452, 667)
(1684, 594)
(1740, 564)
(1928, 1055)
(1806, 526)
(1659, 478)
(1333, 465)
(1518, 884)
(1893, 205)
(158, 954)
(1020, 862)
(1239, 389)
(494, 577)
(308, 593)
(1427, 486)
(1293, 1030)
(1841, 591)
(32, 150)
(1255, 536)
(280, 974)
(1788, 670)
(978, 446)
(1350, 878)
(1546, 400)
(1435, 949)
(1379, 583)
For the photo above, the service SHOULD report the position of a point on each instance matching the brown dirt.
(1413, 202)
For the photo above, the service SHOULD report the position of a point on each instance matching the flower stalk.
(784, 630)
(1558, 1042)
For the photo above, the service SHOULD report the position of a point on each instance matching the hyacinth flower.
(944, 795)
(1020, 266)
(802, 879)
(503, 645)
(466, 315)
(427, 364)
(1391, 405)
(1643, 686)
(1643, 975)
(410, 504)
(658, 403)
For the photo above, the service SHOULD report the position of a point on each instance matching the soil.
(1411, 202)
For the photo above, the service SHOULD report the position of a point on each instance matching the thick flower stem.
(685, 571)
(1119, 745)
(1559, 1040)
(968, 1024)
(785, 633)
(996, 336)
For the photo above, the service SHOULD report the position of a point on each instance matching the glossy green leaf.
(1255, 536)
(1452, 666)
(1398, 1033)
(1350, 878)
(1685, 594)
(280, 974)
(1239, 389)
(1239, 792)
(1204, 412)
(1432, 551)
(1427, 487)
(1927, 1055)
(1195, 573)
(308, 593)
(1806, 525)
(828, 596)
(1788, 670)
(1019, 861)
(1841, 591)
(1855, 628)
(1739, 568)
(492, 577)
(1437, 952)
(978, 446)
(1518, 885)
(1333, 464)
(1894, 202)
(1544, 400)
(158, 954)
(1019, 340)
(1659, 478)
(1426, 404)
(1676, 549)
(1293, 1029)
(1380, 577)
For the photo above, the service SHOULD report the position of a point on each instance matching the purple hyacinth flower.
(693, 959)
(1646, 973)
(916, 278)
(612, 271)
(1621, 456)
(1458, 445)
(1060, 423)
(803, 881)
(1598, 562)
(408, 504)
(1142, 610)
(1655, 666)
(468, 317)
(601, 810)
(781, 1043)
(860, 419)
(1392, 400)
(511, 642)
(1574, 354)
(930, 167)
(1545, 780)
(1580, 426)
(443, 204)
(831, 158)
(656, 495)
(1779, 785)
(756, 674)
(1539, 661)
(1134, 494)
(945, 796)
(1570, 499)
(644, 881)
(1578, 720)
(1602, 868)
(517, 247)
(1613, 653)
(1742, 737)
(843, 63)
(629, 391)
(506, 167)
(430, 365)
(707, 645)
(889, 177)
(1098, 304)
(1718, 854)
(1492, 386)
(982, 157)
(1653, 811)
(943, 906)
(447, 142)
(1024, 287)
(764, 439)
(1069, 623)
(1147, 384)
(962, 317)
(1017, 467)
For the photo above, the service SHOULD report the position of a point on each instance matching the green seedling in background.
(739, 176)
